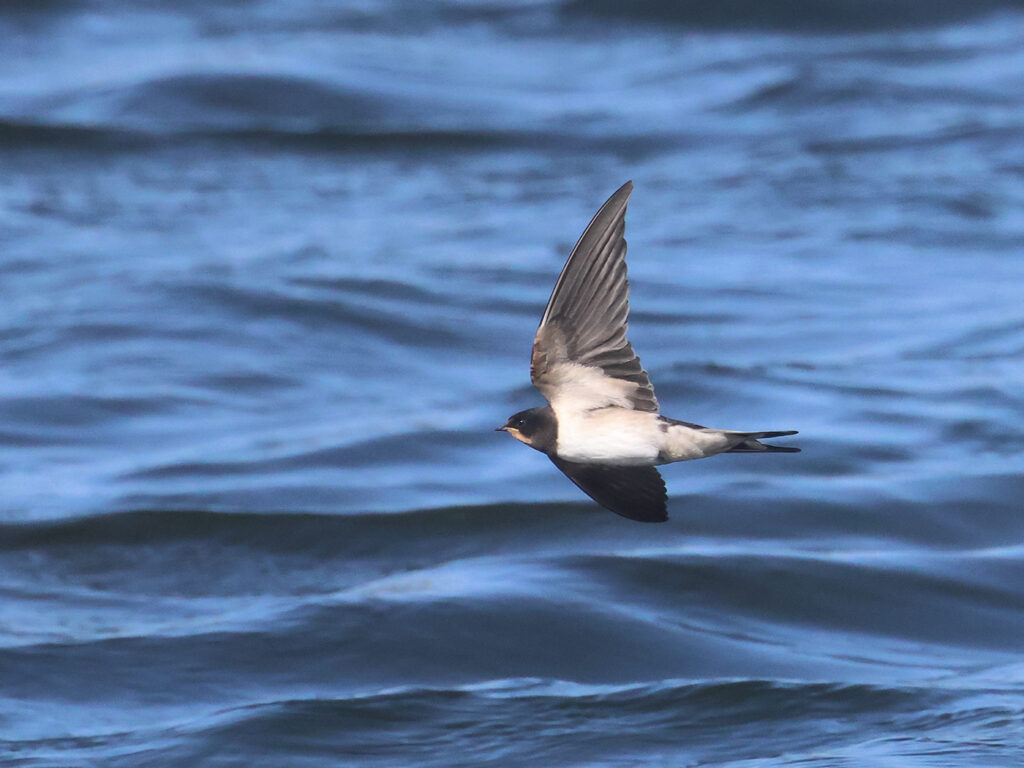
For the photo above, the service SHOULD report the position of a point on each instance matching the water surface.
(270, 275)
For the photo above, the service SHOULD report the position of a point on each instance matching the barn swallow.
(601, 426)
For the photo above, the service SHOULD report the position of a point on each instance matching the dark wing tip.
(653, 516)
(620, 196)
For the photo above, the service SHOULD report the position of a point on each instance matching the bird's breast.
(616, 436)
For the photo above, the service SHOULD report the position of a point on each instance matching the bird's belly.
(610, 436)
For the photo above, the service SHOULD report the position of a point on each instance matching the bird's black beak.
(502, 428)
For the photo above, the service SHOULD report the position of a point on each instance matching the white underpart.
(681, 443)
(609, 436)
(597, 423)
(623, 437)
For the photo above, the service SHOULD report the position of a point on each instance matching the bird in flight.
(601, 426)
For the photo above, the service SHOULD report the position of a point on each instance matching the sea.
(269, 277)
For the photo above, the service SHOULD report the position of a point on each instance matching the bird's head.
(535, 427)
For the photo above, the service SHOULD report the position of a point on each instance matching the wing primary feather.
(611, 211)
(595, 280)
(605, 312)
(600, 287)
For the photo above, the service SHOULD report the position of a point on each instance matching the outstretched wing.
(634, 492)
(581, 358)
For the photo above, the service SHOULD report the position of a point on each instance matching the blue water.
(269, 276)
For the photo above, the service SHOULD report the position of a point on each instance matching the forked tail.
(748, 442)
